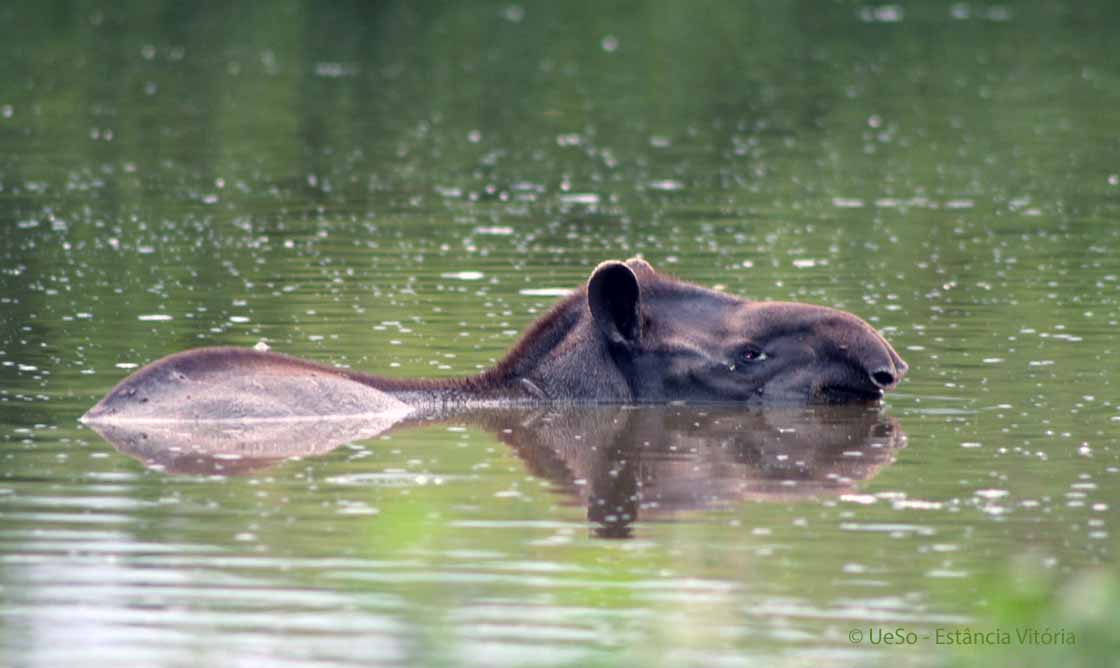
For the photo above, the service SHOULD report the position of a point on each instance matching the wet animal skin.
(629, 335)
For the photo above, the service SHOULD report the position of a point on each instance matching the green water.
(401, 188)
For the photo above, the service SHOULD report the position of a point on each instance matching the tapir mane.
(543, 336)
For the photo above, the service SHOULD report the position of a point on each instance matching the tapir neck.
(438, 392)
(561, 357)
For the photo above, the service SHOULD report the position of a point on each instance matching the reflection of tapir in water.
(631, 336)
(624, 463)
(653, 461)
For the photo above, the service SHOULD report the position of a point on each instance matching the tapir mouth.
(833, 393)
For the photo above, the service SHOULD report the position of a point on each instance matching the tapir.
(630, 335)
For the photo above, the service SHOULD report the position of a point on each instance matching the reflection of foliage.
(264, 163)
(203, 139)
(1030, 597)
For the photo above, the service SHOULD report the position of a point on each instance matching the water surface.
(402, 189)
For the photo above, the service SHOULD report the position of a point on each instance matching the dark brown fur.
(629, 335)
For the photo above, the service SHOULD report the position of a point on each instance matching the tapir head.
(676, 341)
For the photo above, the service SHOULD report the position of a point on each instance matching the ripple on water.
(552, 292)
(464, 275)
(893, 528)
(391, 478)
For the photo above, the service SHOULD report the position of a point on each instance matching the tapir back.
(231, 384)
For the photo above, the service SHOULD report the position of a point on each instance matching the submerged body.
(630, 335)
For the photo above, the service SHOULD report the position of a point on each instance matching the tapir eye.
(750, 354)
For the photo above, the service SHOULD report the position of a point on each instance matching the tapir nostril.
(882, 377)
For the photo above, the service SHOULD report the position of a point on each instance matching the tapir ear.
(614, 298)
(641, 268)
